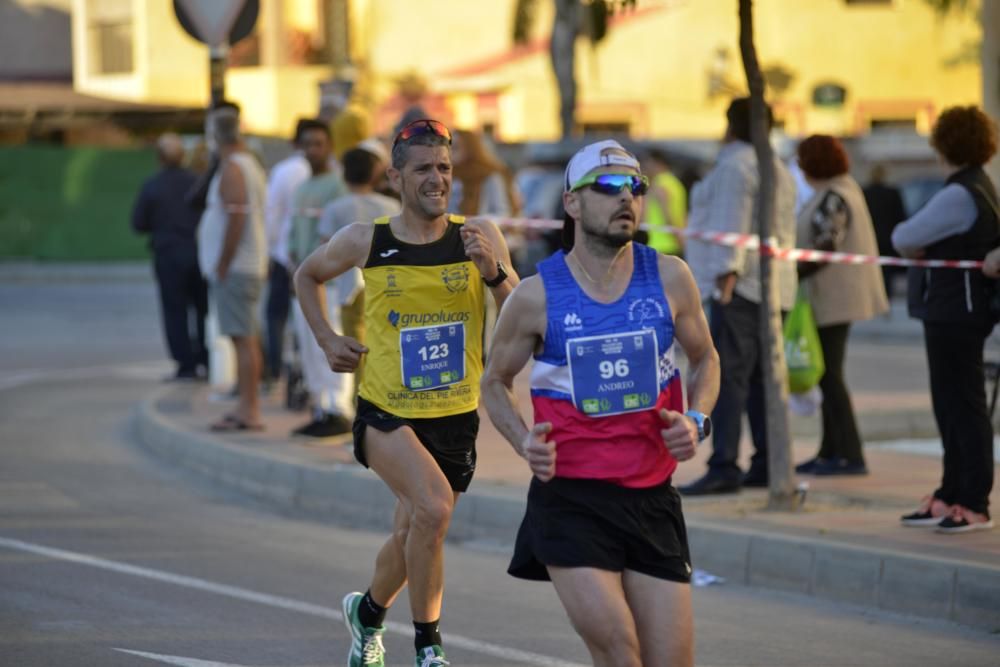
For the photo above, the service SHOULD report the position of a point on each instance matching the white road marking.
(288, 604)
(180, 661)
(138, 371)
(925, 447)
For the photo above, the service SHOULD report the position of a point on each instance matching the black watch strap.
(499, 278)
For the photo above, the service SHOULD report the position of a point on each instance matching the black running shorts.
(450, 440)
(592, 523)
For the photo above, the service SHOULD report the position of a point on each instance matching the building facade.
(665, 69)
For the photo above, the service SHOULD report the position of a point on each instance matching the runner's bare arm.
(691, 331)
(519, 330)
(346, 249)
(485, 245)
(680, 433)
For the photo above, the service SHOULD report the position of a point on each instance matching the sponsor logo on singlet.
(644, 308)
(405, 320)
(456, 278)
(572, 322)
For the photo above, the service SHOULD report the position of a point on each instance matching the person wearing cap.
(162, 211)
(426, 276)
(601, 320)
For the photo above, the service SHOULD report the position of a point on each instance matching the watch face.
(706, 426)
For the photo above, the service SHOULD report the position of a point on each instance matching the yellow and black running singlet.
(424, 307)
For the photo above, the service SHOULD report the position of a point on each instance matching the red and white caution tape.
(752, 242)
(731, 239)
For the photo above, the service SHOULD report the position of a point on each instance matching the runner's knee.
(432, 514)
(612, 645)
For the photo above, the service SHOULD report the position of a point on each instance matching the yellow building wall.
(652, 70)
(171, 67)
(273, 99)
(176, 65)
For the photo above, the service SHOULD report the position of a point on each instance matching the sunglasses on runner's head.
(613, 184)
(422, 126)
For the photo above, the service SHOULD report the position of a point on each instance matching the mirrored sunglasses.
(422, 126)
(613, 184)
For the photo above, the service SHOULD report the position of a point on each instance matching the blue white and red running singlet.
(604, 373)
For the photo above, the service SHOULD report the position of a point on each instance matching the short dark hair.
(225, 122)
(401, 149)
(226, 104)
(568, 234)
(658, 155)
(965, 136)
(299, 127)
(308, 124)
(359, 166)
(822, 156)
(738, 115)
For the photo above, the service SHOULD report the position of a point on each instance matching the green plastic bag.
(803, 352)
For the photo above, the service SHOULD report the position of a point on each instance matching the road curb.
(351, 496)
(27, 271)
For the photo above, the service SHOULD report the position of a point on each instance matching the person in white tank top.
(232, 254)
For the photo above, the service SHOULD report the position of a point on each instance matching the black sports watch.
(702, 421)
(500, 277)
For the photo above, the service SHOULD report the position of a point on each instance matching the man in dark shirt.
(162, 211)
(886, 207)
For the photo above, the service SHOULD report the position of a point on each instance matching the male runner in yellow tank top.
(426, 277)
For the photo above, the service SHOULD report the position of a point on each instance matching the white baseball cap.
(376, 148)
(605, 153)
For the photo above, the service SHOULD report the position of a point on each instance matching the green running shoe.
(431, 656)
(366, 643)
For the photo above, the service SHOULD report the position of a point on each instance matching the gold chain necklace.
(579, 265)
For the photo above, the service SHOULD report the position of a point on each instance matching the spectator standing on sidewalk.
(162, 211)
(729, 280)
(961, 221)
(426, 275)
(885, 203)
(331, 394)
(483, 185)
(285, 178)
(232, 254)
(364, 169)
(603, 522)
(836, 219)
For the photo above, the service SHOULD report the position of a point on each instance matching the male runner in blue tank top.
(603, 521)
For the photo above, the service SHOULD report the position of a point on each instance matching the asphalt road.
(108, 558)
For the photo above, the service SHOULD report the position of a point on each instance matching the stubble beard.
(605, 242)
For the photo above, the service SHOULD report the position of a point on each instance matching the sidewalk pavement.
(846, 544)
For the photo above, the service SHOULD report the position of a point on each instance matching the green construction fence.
(71, 204)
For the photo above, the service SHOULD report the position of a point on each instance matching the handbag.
(803, 352)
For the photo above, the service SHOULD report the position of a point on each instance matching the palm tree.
(572, 17)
